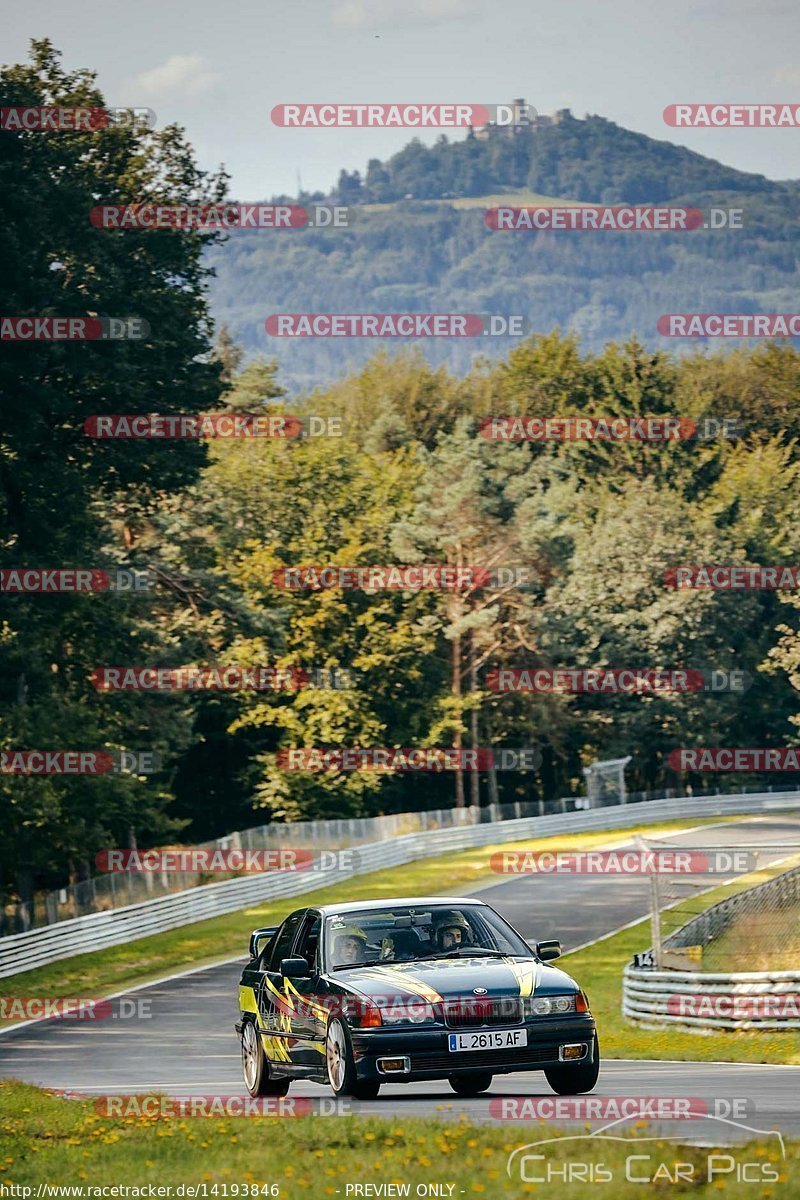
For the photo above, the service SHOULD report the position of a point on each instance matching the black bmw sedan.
(393, 991)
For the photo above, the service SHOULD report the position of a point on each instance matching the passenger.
(350, 946)
(401, 946)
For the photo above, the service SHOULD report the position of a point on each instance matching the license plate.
(494, 1039)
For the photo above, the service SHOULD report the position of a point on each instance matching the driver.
(450, 930)
(350, 946)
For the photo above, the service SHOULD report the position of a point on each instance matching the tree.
(466, 497)
(70, 500)
(229, 353)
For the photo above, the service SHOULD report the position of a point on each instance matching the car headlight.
(549, 1006)
(407, 1012)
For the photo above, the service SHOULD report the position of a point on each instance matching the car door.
(310, 1021)
(273, 1008)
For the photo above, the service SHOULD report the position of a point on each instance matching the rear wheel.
(572, 1080)
(472, 1084)
(255, 1066)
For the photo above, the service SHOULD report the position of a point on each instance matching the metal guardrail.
(120, 889)
(97, 931)
(718, 1000)
(650, 998)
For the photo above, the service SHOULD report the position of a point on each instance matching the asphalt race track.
(187, 1045)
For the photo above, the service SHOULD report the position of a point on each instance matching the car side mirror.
(295, 968)
(258, 937)
(549, 950)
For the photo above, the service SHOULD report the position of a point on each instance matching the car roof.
(329, 910)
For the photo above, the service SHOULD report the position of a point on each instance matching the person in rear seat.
(402, 945)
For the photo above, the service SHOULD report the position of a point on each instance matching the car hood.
(448, 978)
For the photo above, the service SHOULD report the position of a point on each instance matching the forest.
(390, 465)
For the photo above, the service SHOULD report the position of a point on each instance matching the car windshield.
(406, 934)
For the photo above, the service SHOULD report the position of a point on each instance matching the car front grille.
(475, 1012)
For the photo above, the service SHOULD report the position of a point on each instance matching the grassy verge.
(766, 941)
(50, 1140)
(119, 967)
(599, 969)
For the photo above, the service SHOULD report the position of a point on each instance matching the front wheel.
(255, 1066)
(339, 1059)
(341, 1065)
(572, 1080)
(471, 1085)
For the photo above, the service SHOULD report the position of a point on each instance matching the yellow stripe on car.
(399, 979)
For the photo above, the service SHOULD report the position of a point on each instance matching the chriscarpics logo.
(613, 1155)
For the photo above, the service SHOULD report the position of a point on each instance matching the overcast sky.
(219, 66)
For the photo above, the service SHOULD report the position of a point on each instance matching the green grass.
(765, 941)
(48, 1139)
(107, 971)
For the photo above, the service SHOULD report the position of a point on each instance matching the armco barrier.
(25, 951)
(649, 998)
(120, 889)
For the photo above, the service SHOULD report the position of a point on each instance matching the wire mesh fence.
(118, 889)
(730, 906)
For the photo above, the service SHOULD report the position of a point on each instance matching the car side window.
(309, 940)
(282, 947)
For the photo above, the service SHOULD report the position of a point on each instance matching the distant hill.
(593, 159)
(420, 244)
